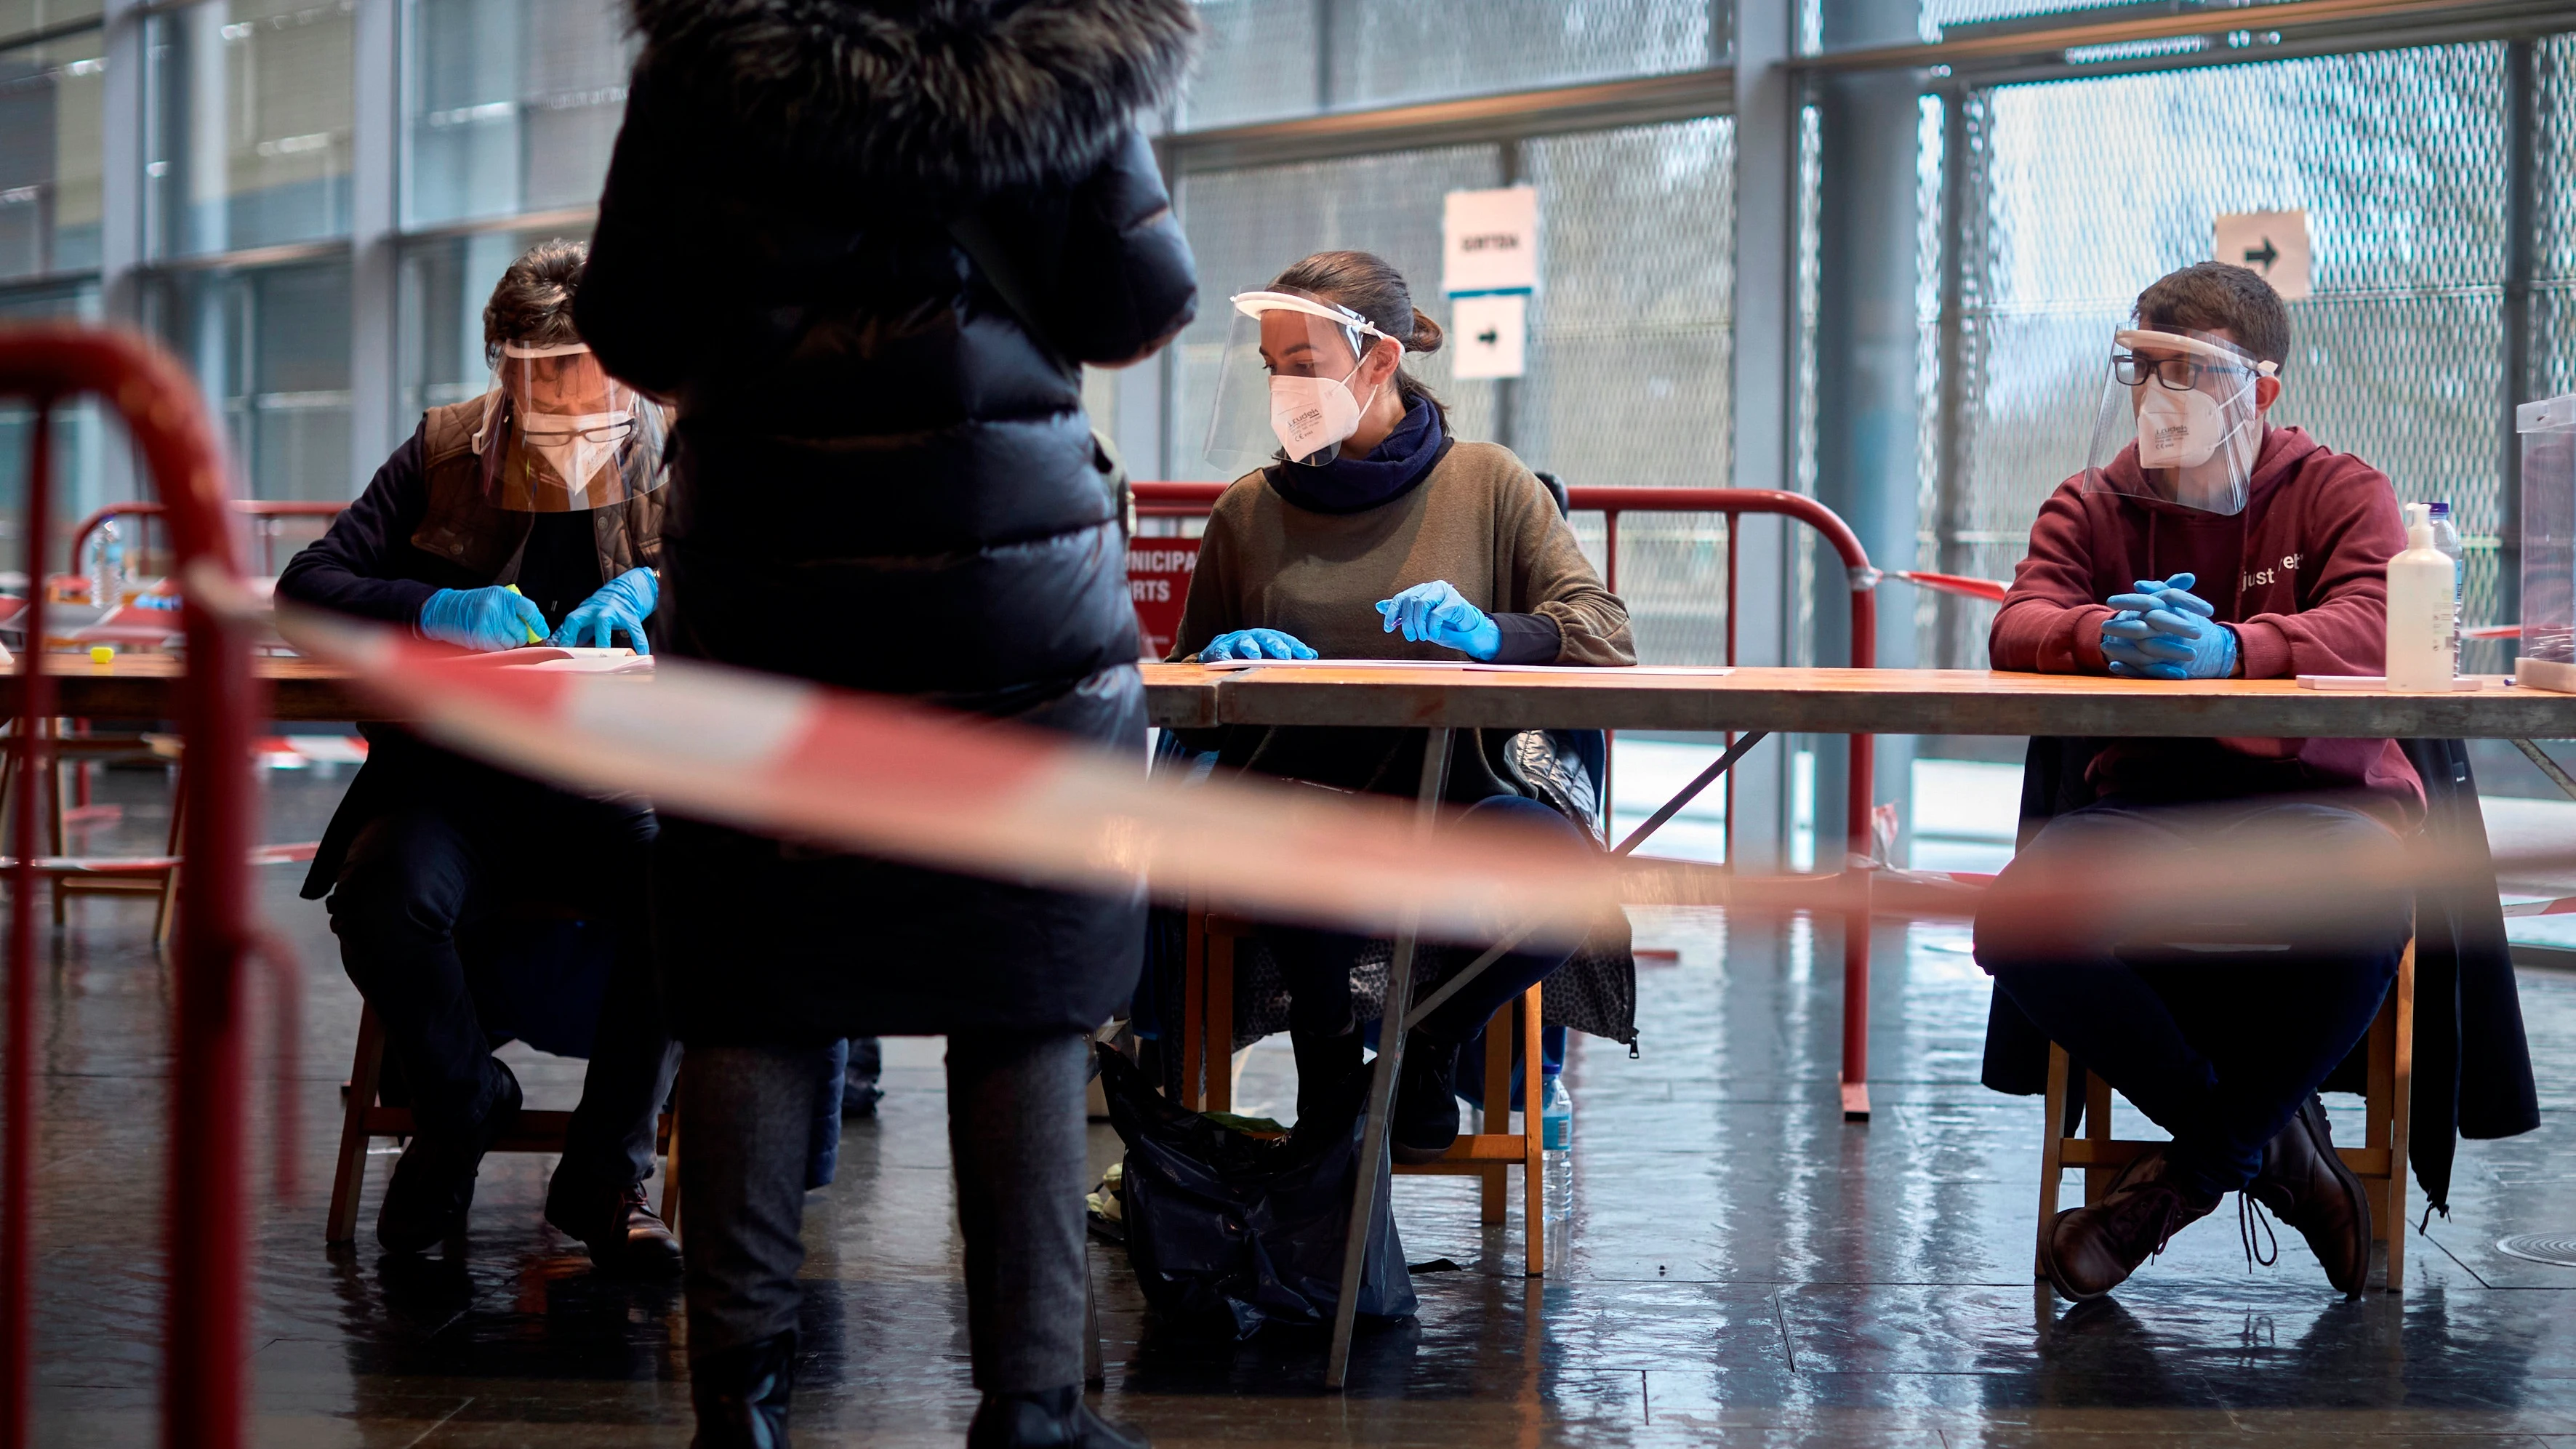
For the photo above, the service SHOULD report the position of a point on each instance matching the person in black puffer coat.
(860, 245)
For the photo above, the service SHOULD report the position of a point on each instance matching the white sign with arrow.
(1490, 332)
(2272, 244)
(1489, 268)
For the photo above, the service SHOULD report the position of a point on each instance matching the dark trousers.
(451, 859)
(2218, 1046)
(1015, 1138)
(1315, 966)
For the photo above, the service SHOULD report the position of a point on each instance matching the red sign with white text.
(1158, 579)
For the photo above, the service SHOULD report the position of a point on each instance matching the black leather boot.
(2305, 1183)
(741, 1394)
(1046, 1419)
(432, 1188)
(1425, 1121)
(1325, 1066)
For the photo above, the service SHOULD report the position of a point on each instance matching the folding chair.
(2379, 1161)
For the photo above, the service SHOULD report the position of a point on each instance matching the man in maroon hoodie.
(2245, 550)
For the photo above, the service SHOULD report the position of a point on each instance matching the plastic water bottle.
(107, 568)
(1556, 1162)
(2447, 539)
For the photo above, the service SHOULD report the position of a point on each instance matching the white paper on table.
(560, 659)
(1464, 666)
(2378, 683)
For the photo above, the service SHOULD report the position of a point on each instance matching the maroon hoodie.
(2302, 574)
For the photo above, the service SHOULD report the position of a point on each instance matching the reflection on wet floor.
(1743, 1266)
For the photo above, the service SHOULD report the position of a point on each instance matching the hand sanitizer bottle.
(2447, 539)
(2421, 586)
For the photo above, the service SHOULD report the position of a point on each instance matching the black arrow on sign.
(1491, 337)
(2265, 258)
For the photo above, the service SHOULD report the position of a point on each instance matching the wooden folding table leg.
(168, 912)
(1219, 1050)
(366, 1072)
(2400, 1055)
(2052, 1155)
(2097, 1130)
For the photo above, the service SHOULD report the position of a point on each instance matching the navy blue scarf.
(1355, 485)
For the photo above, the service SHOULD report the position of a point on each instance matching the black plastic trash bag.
(1227, 1227)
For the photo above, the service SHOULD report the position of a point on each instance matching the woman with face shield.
(532, 512)
(1365, 529)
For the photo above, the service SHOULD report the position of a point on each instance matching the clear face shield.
(577, 438)
(1289, 387)
(2185, 402)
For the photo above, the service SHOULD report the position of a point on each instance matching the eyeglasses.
(2179, 373)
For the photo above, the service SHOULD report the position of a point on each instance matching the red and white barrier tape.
(959, 792)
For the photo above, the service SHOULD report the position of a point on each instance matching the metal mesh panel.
(1262, 55)
(2553, 292)
(1631, 355)
(1246, 226)
(2082, 192)
(1629, 370)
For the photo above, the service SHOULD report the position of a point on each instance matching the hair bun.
(1427, 335)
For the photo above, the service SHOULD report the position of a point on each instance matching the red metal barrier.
(1169, 500)
(209, 1224)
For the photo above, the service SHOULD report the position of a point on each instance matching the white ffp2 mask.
(1311, 414)
(2178, 429)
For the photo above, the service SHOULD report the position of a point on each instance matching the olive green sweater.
(1480, 520)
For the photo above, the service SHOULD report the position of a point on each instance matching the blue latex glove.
(624, 602)
(486, 619)
(1439, 613)
(1255, 644)
(2164, 631)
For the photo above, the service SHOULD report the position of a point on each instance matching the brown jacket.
(462, 526)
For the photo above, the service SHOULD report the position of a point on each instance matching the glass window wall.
(251, 107)
(1271, 59)
(445, 284)
(83, 479)
(50, 107)
(509, 106)
(270, 347)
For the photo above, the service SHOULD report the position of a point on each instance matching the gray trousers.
(1015, 1136)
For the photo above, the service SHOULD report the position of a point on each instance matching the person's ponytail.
(1364, 283)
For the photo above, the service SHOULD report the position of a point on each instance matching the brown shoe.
(2093, 1249)
(622, 1232)
(2305, 1183)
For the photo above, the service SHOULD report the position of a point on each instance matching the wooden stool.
(1207, 1079)
(365, 1119)
(2380, 1160)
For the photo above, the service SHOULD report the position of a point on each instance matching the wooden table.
(1803, 701)
(145, 686)
(1838, 701)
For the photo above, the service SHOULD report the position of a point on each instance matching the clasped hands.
(1434, 612)
(2164, 631)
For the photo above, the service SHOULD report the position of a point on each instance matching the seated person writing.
(1367, 531)
(522, 515)
(2206, 543)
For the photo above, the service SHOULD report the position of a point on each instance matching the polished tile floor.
(1743, 1267)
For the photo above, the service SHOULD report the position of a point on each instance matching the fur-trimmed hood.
(958, 96)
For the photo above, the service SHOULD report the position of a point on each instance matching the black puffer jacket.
(883, 477)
